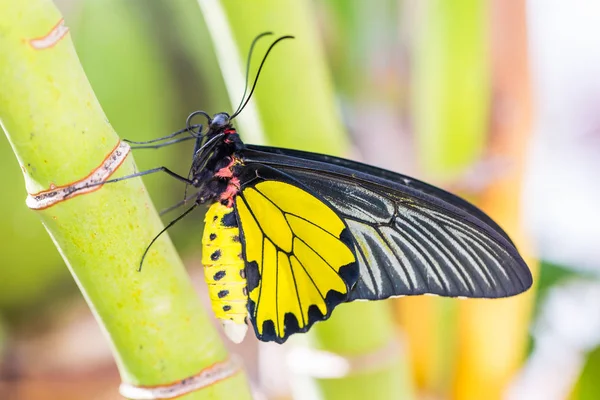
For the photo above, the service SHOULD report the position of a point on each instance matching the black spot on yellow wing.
(300, 261)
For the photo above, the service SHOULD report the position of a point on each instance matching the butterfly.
(289, 235)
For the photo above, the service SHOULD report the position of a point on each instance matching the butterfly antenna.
(170, 224)
(241, 107)
(256, 39)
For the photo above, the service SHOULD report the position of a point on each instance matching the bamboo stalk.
(154, 321)
(295, 106)
(450, 108)
(493, 334)
(451, 94)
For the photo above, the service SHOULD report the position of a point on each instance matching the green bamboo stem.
(294, 103)
(587, 385)
(135, 89)
(451, 91)
(450, 110)
(156, 326)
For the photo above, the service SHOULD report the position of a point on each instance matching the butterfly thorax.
(216, 167)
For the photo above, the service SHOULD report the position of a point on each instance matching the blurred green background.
(484, 98)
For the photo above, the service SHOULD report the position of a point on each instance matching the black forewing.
(410, 237)
(399, 179)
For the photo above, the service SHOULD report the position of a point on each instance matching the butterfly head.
(219, 122)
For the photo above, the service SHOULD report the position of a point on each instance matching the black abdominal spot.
(226, 308)
(229, 220)
(219, 275)
(213, 236)
(252, 275)
(236, 238)
(216, 255)
(222, 293)
(290, 323)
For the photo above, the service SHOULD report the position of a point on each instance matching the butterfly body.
(295, 234)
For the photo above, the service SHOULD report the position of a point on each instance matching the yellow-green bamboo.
(493, 334)
(450, 108)
(153, 319)
(450, 85)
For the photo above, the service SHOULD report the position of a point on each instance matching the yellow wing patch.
(300, 262)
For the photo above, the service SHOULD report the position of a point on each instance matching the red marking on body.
(226, 172)
(50, 39)
(233, 188)
(229, 131)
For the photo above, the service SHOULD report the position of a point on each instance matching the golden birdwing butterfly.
(290, 235)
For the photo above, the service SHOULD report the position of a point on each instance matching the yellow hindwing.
(299, 261)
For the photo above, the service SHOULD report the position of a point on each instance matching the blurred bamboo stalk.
(587, 387)
(154, 321)
(429, 327)
(296, 107)
(450, 102)
(451, 92)
(493, 334)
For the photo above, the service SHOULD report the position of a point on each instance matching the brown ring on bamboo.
(50, 39)
(56, 194)
(205, 378)
(328, 365)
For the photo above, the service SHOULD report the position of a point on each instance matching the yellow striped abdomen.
(224, 269)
